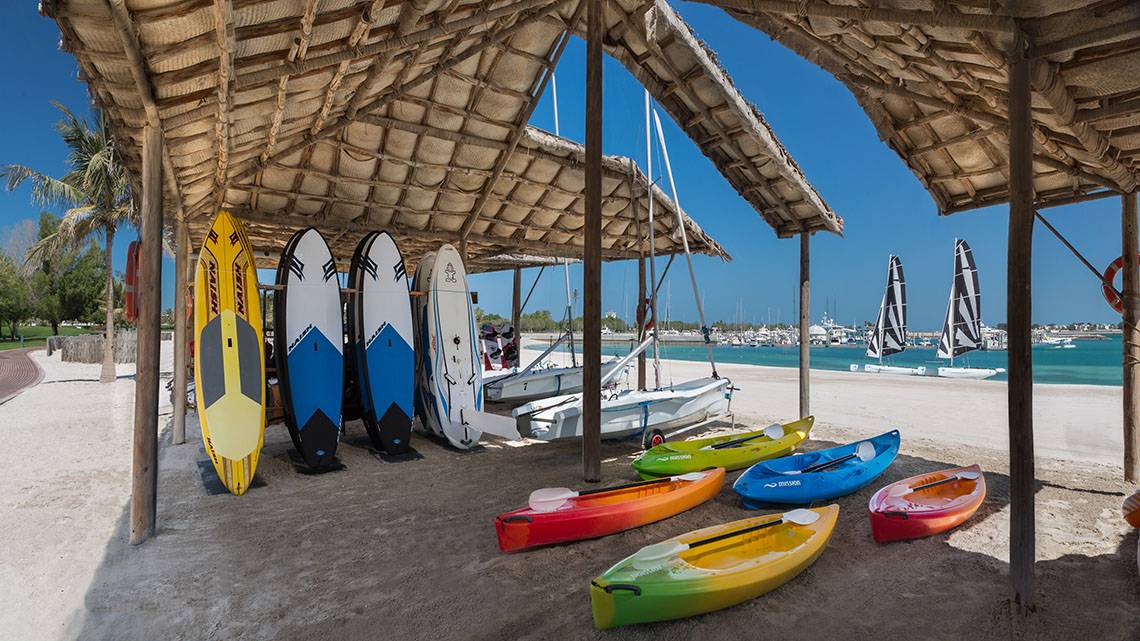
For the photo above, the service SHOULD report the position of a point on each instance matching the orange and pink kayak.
(593, 513)
(926, 504)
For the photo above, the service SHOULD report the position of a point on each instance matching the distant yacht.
(889, 335)
(962, 328)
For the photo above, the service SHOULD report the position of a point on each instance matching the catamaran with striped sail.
(962, 328)
(889, 335)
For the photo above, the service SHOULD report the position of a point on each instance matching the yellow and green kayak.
(730, 451)
(708, 577)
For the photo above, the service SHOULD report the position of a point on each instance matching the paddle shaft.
(948, 479)
(736, 441)
(667, 479)
(819, 467)
(729, 535)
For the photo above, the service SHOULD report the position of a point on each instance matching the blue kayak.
(817, 476)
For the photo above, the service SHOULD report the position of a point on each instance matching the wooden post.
(181, 264)
(592, 253)
(144, 464)
(516, 310)
(1131, 337)
(641, 321)
(805, 323)
(1019, 316)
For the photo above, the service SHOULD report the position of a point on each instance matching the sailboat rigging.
(962, 325)
(889, 334)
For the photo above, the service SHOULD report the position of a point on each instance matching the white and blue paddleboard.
(308, 345)
(381, 334)
(453, 380)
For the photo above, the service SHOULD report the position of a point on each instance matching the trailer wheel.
(652, 438)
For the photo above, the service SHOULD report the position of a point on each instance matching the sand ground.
(406, 550)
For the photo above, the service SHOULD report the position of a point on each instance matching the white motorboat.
(962, 328)
(629, 413)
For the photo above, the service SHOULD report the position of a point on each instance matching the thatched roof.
(931, 74)
(409, 116)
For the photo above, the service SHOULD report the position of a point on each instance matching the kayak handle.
(622, 586)
(518, 517)
(896, 515)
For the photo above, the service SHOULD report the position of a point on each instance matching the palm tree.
(98, 197)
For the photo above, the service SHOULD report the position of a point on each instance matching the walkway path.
(17, 372)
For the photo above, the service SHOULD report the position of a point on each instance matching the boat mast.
(652, 246)
(883, 311)
(685, 243)
(565, 261)
(950, 305)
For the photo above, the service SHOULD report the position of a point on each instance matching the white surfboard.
(381, 330)
(309, 346)
(455, 371)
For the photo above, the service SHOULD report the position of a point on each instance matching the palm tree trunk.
(108, 373)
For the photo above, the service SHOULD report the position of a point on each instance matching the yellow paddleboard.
(229, 358)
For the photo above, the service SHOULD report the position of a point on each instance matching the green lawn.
(34, 335)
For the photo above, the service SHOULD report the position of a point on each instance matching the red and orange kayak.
(592, 513)
(926, 504)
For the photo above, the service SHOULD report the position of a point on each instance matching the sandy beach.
(399, 550)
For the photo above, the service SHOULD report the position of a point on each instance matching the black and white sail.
(962, 329)
(889, 335)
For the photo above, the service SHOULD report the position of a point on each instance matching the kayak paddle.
(549, 499)
(864, 452)
(964, 475)
(651, 555)
(773, 431)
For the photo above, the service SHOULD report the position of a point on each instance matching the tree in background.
(15, 295)
(66, 284)
(98, 196)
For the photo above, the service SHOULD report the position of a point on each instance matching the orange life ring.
(1110, 295)
(131, 282)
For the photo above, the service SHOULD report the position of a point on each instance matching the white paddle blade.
(969, 475)
(774, 431)
(690, 476)
(898, 490)
(549, 499)
(865, 451)
(651, 555)
(801, 516)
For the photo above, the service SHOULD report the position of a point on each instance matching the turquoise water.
(1091, 362)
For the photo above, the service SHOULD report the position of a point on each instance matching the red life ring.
(1110, 294)
(131, 282)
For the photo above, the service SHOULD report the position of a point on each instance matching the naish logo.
(239, 290)
(376, 333)
(297, 267)
(300, 337)
(398, 268)
(450, 273)
(330, 269)
(212, 284)
(792, 483)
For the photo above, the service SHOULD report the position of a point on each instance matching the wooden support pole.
(592, 253)
(641, 321)
(1131, 336)
(144, 464)
(1019, 272)
(516, 310)
(805, 323)
(181, 276)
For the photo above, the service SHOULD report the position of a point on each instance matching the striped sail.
(962, 328)
(889, 335)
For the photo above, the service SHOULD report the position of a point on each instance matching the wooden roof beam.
(1087, 39)
(820, 9)
(224, 35)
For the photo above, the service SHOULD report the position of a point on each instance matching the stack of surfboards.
(449, 383)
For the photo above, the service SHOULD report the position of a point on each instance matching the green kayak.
(730, 451)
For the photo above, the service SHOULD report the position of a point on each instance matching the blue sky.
(885, 208)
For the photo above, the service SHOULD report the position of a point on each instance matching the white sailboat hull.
(538, 383)
(874, 368)
(630, 412)
(976, 373)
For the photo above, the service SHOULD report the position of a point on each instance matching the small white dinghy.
(535, 382)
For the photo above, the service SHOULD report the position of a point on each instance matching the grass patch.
(36, 335)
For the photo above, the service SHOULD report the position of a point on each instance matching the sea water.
(1089, 362)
